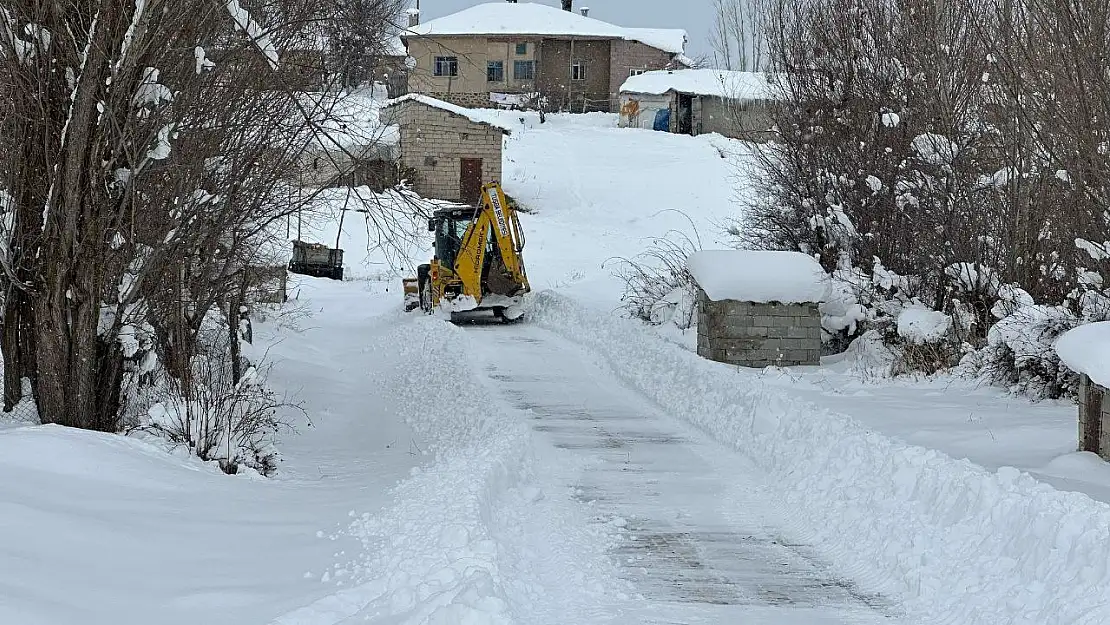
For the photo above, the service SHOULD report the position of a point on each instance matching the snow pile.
(431, 558)
(1086, 349)
(961, 544)
(759, 276)
(710, 82)
(527, 18)
(478, 116)
(917, 324)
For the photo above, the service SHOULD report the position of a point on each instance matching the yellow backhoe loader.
(477, 265)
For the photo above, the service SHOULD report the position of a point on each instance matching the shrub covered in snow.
(1019, 352)
(951, 167)
(222, 411)
(658, 286)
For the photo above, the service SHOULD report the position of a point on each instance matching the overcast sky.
(695, 16)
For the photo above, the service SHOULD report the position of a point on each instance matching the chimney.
(568, 5)
(414, 17)
(585, 11)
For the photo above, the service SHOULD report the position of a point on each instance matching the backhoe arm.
(506, 228)
(472, 254)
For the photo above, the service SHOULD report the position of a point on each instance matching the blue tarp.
(662, 120)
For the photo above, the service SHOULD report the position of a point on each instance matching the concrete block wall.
(434, 142)
(753, 334)
(1094, 418)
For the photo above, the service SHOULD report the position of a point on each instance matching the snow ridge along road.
(958, 543)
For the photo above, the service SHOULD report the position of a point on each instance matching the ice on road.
(701, 538)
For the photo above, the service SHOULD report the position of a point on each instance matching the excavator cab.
(477, 263)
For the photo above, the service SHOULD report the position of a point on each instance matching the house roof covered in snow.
(478, 116)
(526, 18)
(708, 82)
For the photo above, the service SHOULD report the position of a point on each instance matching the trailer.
(316, 259)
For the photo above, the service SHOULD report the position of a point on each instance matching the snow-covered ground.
(575, 468)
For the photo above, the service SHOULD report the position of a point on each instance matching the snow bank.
(431, 557)
(757, 276)
(1086, 349)
(918, 324)
(959, 543)
(710, 82)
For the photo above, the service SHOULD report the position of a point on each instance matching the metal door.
(470, 181)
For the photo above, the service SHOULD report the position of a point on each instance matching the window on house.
(495, 71)
(521, 49)
(578, 70)
(447, 66)
(524, 70)
(636, 72)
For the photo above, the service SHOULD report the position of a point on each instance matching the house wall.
(751, 334)
(626, 56)
(748, 120)
(608, 64)
(472, 54)
(471, 87)
(434, 142)
(556, 57)
(504, 50)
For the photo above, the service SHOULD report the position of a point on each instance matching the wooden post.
(1090, 415)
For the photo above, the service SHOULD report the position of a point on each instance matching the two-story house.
(480, 55)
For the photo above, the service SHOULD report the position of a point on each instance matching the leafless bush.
(658, 286)
(216, 418)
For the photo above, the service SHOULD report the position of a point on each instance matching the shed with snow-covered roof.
(1086, 351)
(452, 150)
(699, 101)
(757, 309)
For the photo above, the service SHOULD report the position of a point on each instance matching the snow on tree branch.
(244, 22)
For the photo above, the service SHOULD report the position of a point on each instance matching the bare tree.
(154, 146)
(739, 35)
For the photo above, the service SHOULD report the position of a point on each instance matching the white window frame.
(447, 63)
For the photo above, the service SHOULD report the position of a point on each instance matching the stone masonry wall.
(754, 334)
(434, 142)
(1094, 418)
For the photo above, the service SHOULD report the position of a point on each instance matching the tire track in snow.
(699, 540)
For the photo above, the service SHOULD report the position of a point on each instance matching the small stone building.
(452, 150)
(757, 309)
(1086, 350)
(699, 101)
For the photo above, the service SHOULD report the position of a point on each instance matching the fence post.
(1090, 416)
